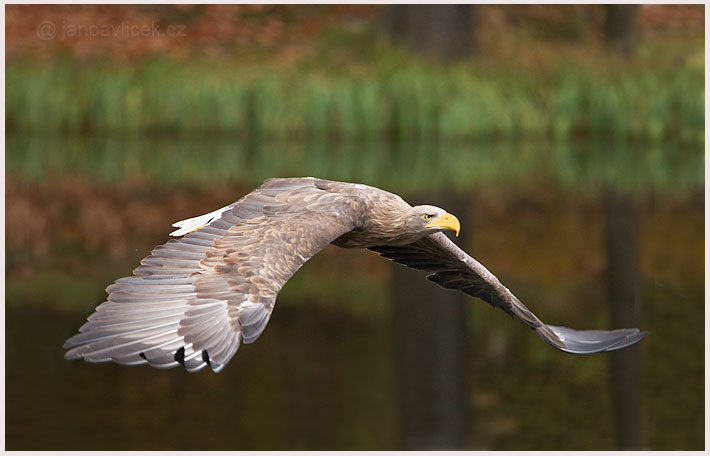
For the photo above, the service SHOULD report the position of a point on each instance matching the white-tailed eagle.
(194, 300)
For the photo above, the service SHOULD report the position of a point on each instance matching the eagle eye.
(427, 216)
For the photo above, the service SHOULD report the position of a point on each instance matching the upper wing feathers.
(194, 300)
(451, 267)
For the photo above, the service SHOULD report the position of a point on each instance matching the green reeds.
(411, 101)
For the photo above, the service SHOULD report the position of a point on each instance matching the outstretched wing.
(451, 267)
(195, 299)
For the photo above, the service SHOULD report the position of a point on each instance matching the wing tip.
(587, 342)
(635, 335)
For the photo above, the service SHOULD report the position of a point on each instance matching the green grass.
(407, 99)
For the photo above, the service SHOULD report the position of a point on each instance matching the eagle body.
(194, 300)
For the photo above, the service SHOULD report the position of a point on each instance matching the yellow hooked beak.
(447, 222)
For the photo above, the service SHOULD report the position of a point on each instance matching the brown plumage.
(194, 300)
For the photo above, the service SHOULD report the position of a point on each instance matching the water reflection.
(304, 386)
(322, 375)
(419, 164)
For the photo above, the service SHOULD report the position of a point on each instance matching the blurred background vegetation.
(569, 139)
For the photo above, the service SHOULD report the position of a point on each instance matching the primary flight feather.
(194, 300)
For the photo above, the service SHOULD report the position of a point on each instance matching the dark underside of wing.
(451, 267)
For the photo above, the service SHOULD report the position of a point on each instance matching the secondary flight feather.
(194, 300)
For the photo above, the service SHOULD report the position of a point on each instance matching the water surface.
(82, 212)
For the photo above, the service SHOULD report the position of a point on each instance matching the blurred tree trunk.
(624, 270)
(624, 277)
(620, 27)
(430, 332)
(440, 31)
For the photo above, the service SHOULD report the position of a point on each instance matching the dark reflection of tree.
(429, 331)
(622, 242)
(624, 271)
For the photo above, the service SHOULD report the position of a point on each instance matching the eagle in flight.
(195, 299)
